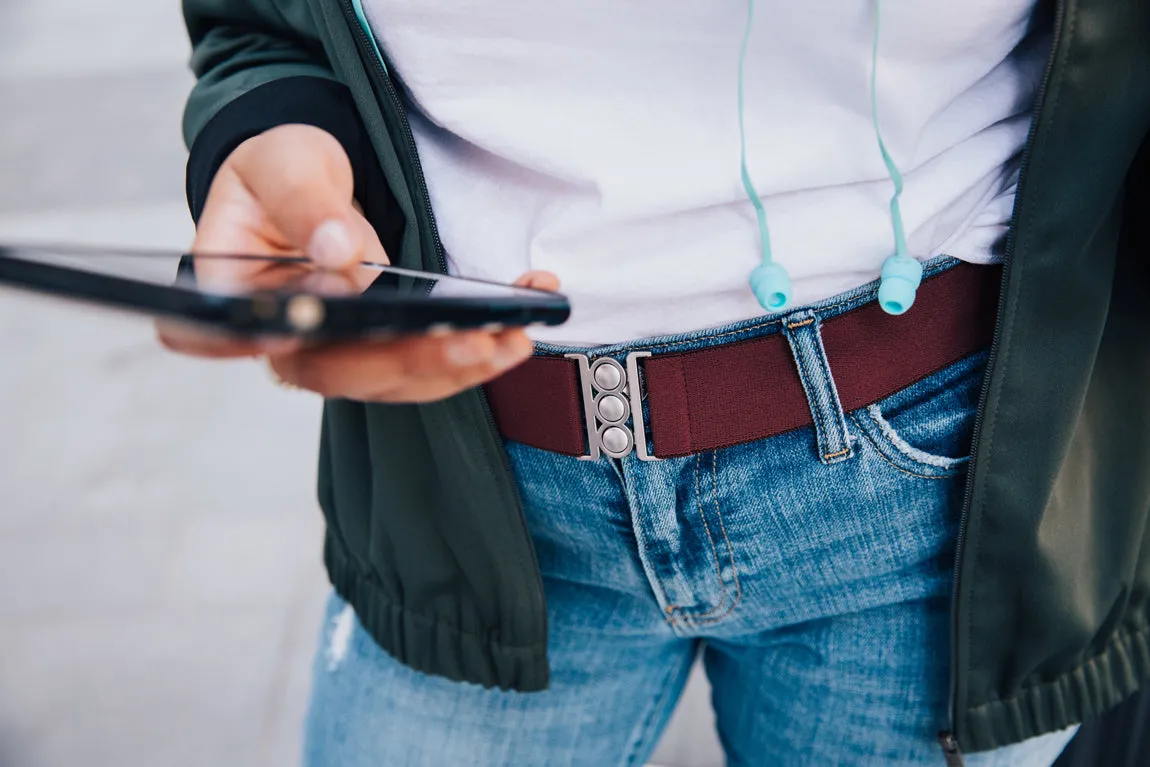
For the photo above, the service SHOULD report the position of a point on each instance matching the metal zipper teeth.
(366, 49)
(992, 358)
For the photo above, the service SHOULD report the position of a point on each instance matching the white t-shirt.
(599, 139)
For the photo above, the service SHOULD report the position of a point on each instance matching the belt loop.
(802, 330)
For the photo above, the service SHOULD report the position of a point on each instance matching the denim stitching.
(748, 328)
(891, 439)
(816, 411)
(730, 548)
(635, 511)
(690, 341)
(904, 447)
(841, 418)
(714, 551)
(653, 578)
(894, 465)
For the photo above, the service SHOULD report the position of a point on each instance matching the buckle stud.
(611, 395)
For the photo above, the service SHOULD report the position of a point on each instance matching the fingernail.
(331, 245)
(463, 352)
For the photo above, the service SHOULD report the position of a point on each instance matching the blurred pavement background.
(160, 583)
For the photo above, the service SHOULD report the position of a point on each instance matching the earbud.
(769, 281)
(901, 276)
(771, 285)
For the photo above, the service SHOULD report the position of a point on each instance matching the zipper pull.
(950, 750)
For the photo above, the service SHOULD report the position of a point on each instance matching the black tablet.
(274, 295)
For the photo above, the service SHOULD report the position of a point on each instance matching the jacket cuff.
(315, 101)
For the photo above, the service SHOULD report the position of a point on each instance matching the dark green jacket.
(1051, 620)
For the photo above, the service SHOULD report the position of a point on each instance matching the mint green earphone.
(901, 274)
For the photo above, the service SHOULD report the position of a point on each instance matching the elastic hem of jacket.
(1086, 691)
(429, 645)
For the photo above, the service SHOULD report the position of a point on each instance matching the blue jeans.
(815, 584)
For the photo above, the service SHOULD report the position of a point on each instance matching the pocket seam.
(910, 451)
(939, 467)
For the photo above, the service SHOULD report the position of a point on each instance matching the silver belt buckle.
(612, 395)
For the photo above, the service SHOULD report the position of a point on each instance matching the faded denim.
(812, 571)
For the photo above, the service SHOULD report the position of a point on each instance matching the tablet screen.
(242, 275)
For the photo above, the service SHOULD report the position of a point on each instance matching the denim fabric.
(812, 571)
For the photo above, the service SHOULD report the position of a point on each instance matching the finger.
(195, 342)
(355, 369)
(238, 224)
(443, 384)
(325, 283)
(233, 222)
(303, 181)
(539, 280)
(513, 351)
(409, 370)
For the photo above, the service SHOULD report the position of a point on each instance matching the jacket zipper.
(947, 740)
(950, 750)
(368, 50)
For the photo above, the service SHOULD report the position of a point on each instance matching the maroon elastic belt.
(741, 391)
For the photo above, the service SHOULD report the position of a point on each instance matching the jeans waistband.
(743, 329)
(749, 380)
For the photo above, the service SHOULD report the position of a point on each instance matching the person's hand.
(413, 369)
(289, 191)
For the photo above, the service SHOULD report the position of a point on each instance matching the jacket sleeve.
(259, 64)
(239, 45)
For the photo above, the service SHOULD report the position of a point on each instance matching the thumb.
(302, 180)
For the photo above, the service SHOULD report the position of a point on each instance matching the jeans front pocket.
(926, 429)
